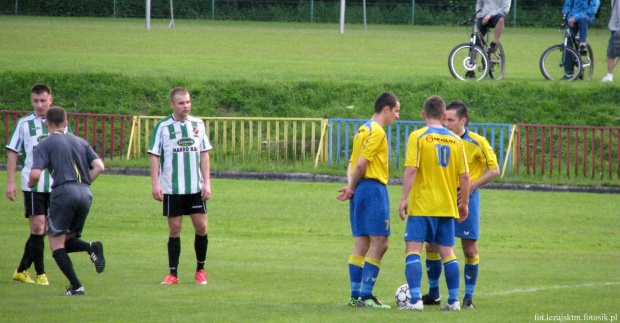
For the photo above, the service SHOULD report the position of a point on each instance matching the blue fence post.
(487, 130)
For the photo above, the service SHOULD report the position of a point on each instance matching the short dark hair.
(177, 90)
(41, 88)
(461, 109)
(56, 116)
(384, 99)
(434, 107)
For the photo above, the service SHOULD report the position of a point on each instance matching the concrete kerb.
(306, 177)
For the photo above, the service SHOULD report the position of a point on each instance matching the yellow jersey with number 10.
(440, 158)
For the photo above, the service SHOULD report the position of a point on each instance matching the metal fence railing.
(242, 139)
(107, 133)
(537, 150)
(342, 131)
(568, 151)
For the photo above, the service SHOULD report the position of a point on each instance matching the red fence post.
(609, 153)
(534, 151)
(568, 152)
(103, 135)
(551, 152)
(542, 151)
(112, 139)
(527, 149)
(518, 149)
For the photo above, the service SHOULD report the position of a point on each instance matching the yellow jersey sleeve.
(480, 155)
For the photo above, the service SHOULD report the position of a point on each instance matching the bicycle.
(467, 59)
(554, 60)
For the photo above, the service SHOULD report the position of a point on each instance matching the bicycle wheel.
(461, 66)
(587, 64)
(552, 66)
(498, 63)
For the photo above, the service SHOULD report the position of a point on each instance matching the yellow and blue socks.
(413, 273)
(433, 271)
(369, 277)
(452, 272)
(356, 268)
(471, 276)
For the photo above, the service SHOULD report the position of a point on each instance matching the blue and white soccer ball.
(402, 295)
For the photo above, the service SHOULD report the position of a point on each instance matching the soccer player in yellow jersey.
(435, 165)
(480, 156)
(369, 207)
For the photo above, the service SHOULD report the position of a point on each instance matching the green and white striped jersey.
(28, 132)
(179, 144)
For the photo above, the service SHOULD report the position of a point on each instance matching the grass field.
(278, 252)
(233, 50)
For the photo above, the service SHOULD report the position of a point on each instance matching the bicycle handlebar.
(472, 18)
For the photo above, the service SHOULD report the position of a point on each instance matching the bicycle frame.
(475, 37)
(569, 40)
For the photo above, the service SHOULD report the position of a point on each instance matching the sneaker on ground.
(567, 76)
(467, 303)
(372, 302)
(96, 256)
(607, 79)
(418, 306)
(23, 277)
(353, 301)
(492, 47)
(451, 307)
(427, 300)
(42, 279)
(75, 292)
(201, 277)
(470, 74)
(170, 280)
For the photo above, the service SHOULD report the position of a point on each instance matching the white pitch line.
(536, 289)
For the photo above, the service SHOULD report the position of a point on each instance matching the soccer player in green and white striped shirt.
(29, 131)
(180, 174)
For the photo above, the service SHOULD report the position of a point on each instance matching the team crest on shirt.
(429, 138)
(41, 137)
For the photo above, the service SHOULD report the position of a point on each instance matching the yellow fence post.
(510, 140)
(134, 120)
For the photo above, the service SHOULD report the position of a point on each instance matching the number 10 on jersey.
(443, 153)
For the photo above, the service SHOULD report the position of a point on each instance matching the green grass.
(278, 252)
(233, 50)
(285, 69)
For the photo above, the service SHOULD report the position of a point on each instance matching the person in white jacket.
(613, 48)
(492, 14)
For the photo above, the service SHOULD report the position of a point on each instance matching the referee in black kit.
(73, 165)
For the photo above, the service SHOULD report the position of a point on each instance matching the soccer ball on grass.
(402, 295)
